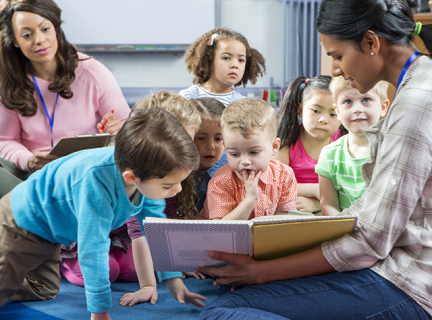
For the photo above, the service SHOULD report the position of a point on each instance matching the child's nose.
(357, 108)
(245, 161)
(177, 188)
(211, 146)
(323, 119)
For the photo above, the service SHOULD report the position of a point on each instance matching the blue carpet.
(70, 304)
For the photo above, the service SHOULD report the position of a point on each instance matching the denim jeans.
(347, 295)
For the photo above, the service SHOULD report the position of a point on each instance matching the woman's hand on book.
(241, 270)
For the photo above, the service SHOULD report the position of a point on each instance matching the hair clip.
(213, 37)
(417, 28)
(307, 80)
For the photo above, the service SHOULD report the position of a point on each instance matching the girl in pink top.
(301, 144)
(47, 89)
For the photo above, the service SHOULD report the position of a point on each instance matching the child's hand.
(179, 292)
(250, 182)
(304, 204)
(196, 275)
(147, 293)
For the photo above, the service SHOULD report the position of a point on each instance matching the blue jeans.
(347, 295)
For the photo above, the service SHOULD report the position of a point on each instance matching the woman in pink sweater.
(48, 90)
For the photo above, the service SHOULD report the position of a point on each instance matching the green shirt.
(335, 163)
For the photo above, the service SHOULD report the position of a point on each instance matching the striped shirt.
(277, 188)
(394, 228)
(196, 91)
(335, 163)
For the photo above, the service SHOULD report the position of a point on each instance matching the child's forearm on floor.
(143, 262)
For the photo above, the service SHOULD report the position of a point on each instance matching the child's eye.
(167, 188)
(242, 60)
(254, 152)
(337, 58)
(366, 100)
(333, 114)
(218, 139)
(234, 155)
(315, 110)
(225, 58)
(348, 101)
(199, 138)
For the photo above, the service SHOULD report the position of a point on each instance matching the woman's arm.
(244, 270)
(11, 147)
(329, 197)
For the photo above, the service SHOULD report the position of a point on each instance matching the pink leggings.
(121, 266)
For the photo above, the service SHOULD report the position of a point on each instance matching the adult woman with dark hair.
(48, 90)
(385, 265)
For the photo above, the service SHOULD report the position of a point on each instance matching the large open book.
(182, 245)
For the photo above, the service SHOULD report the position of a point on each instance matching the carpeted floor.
(70, 304)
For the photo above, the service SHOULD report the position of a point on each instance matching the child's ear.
(384, 108)
(276, 146)
(300, 110)
(129, 176)
(337, 111)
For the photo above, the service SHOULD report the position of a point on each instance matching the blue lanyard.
(405, 68)
(51, 121)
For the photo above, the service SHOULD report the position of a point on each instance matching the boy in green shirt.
(339, 164)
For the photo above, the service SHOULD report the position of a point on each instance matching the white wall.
(260, 21)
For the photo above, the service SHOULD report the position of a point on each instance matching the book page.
(190, 248)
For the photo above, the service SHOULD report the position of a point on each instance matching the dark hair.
(200, 55)
(16, 89)
(153, 143)
(392, 20)
(209, 108)
(288, 127)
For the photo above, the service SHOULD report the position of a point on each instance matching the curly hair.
(199, 57)
(16, 89)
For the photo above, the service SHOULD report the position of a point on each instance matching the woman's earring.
(372, 53)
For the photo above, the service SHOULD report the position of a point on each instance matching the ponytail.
(426, 36)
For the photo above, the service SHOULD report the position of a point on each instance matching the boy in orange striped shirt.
(251, 184)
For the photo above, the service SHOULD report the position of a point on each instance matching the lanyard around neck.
(405, 68)
(51, 120)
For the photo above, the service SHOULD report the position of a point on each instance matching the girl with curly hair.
(221, 59)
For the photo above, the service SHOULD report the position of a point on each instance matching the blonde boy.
(339, 164)
(251, 184)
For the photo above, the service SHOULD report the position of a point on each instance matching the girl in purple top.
(301, 144)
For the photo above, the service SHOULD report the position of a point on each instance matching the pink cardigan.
(95, 92)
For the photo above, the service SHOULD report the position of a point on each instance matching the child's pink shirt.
(302, 164)
(95, 92)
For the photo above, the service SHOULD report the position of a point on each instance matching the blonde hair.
(339, 83)
(178, 106)
(248, 116)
